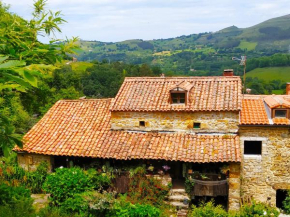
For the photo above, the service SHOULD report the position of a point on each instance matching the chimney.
(228, 72)
(288, 89)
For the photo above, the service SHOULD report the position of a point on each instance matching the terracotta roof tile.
(253, 112)
(281, 121)
(205, 94)
(274, 101)
(82, 128)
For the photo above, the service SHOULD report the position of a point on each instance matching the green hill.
(196, 54)
(271, 73)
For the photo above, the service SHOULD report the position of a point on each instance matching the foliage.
(23, 58)
(14, 175)
(124, 208)
(258, 209)
(100, 203)
(255, 209)
(208, 210)
(286, 203)
(75, 204)
(189, 184)
(11, 195)
(65, 183)
(146, 189)
(21, 208)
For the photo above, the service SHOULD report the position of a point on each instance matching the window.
(142, 123)
(252, 147)
(196, 125)
(178, 98)
(280, 113)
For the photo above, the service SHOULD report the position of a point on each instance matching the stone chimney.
(288, 88)
(228, 72)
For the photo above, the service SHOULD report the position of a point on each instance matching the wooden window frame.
(179, 92)
(274, 111)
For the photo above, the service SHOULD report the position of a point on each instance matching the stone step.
(182, 212)
(178, 198)
(178, 192)
(179, 205)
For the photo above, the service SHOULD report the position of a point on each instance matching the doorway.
(280, 197)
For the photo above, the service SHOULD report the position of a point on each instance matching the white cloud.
(115, 20)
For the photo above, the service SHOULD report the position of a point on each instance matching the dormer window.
(280, 113)
(178, 98)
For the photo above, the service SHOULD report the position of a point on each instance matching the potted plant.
(166, 168)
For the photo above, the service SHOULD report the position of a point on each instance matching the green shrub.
(99, 180)
(14, 175)
(122, 208)
(77, 204)
(99, 203)
(65, 183)
(258, 209)
(36, 178)
(286, 204)
(21, 208)
(15, 201)
(11, 195)
(54, 212)
(208, 210)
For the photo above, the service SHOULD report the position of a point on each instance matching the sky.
(119, 20)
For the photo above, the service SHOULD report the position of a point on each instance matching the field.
(248, 45)
(271, 73)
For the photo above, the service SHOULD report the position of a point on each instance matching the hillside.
(271, 73)
(196, 54)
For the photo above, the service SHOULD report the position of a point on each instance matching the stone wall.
(176, 121)
(263, 174)
(234, 186)
(31, 161)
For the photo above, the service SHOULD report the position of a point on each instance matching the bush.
(208, 210)
(258, 209)
(124, 208)
(286, 204)
(14, 175)
(15, 201)
(65, 183)
(146, 189)
(21, 208)
(11, 195)
(77, 204)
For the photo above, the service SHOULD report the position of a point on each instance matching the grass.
(271, 73)
(248, 45)
(81, 66)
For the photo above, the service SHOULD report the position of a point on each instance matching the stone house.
(189, 123)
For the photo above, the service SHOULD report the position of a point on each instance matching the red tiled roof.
(205, 94)
(82, 128)
(274, 101)
(254, 109)
(253, 112)
(281, 121)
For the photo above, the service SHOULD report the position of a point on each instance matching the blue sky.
(118, 20)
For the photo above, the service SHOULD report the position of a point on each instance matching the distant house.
(192, 124)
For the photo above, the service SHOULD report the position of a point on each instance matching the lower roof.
(82, 128)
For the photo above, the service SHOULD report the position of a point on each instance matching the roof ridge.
(82, 100)
(176, 77)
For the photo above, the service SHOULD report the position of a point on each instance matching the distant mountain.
(197, 54)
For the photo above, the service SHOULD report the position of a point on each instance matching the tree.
(24, 58)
